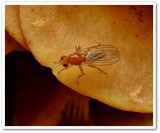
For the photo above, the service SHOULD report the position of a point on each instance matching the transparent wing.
(101, 55)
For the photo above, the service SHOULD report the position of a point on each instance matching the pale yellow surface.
(12, 24)
(53, 31)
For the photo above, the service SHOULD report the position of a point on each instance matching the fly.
(99, 55)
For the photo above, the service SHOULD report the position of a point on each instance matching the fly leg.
(64, 69)
(97, 68)
(82, 73)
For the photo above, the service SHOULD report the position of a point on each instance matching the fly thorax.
(76, 59)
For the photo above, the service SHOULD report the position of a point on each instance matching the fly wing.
(101, 55)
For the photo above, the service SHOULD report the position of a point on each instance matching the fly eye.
(65, 65)
(63, 57)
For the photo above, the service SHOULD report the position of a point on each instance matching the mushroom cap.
(54, 31)
(13, 26)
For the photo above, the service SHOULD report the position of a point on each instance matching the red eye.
(63, 57)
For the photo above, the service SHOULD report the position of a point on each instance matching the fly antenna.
(78, 48)
(56, 62)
